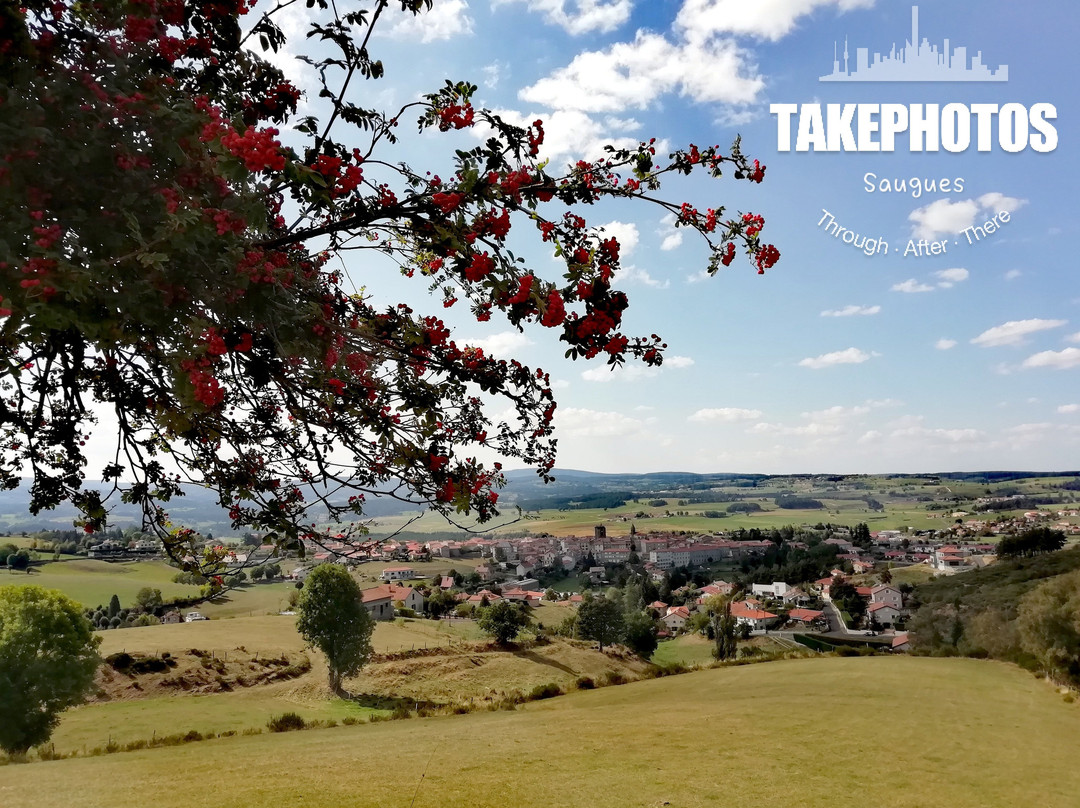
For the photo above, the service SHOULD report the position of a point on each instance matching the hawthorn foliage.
(168, 257)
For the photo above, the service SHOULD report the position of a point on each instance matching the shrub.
(120, 662)
(550, 690)
(584, 683)
(614, 678)
(286, 723)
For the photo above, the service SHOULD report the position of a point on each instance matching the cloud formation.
(851, 311)
(1057, 360)
(849, 356)
(1013, 332)
(445, 20)
(911, 286)
(582, 16)
(945, 217)
(724, 415)
(764, 19)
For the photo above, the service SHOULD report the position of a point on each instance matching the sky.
(835, 361)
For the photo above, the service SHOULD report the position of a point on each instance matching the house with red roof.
(676, 618)
(748, 614)
(485, 597)
(378, 602)
(806, 616)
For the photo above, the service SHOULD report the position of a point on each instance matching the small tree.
(114, 606)
(641, 631)
(334, 620)
(48, 656)
(503, 620)
(148, 599)
(439, 603)
(601, 619)
(19, 561)
(724, 627)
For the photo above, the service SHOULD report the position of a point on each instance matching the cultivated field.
(816, 733)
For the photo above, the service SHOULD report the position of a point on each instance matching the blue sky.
(834, 361)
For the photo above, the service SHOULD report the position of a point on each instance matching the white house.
(776, 589)
(397, 573)
(883, 614)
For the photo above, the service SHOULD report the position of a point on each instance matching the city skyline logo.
(917, 60)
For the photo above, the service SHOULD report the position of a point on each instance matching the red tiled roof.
(741, 609)
(805, 615)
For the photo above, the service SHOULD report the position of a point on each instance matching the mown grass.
(686, 649)
(95, 725)
(92, 582)
(814, 733)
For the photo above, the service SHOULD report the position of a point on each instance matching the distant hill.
(572, 488)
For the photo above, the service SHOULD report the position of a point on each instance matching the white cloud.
(505, 343)
(626, 233)
(726, 415)
(849, 356)
(944, 217)
(948, 277)
(766, 19)
(806, 430)
(634, 274)
(631, 75)
(568, 133)
(1013, 274)
(445, 20)
(1066, 409)
(584, 423)
(673, 236)
(851, 311)
(945, 344)
(997, 202)
(583, 16)
(837, 413)
(911, 286)
(1059, 360)
(1073, 337)
(679, 361)
(940, 435)
(493, 73)
(1013, 332)
(620, 373)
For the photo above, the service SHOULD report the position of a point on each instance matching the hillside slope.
(816, 733)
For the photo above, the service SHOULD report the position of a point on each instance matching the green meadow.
(92, 582)
(816, 733)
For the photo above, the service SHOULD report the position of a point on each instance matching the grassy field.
(92, 582)
(783, 733)
(277, 633)
(686, 649)
(127, 720)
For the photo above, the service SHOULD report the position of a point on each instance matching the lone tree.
(503, 620)
(205, 302)
(601, 619)
(48, 656)
(332, 618)
(724, 627)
